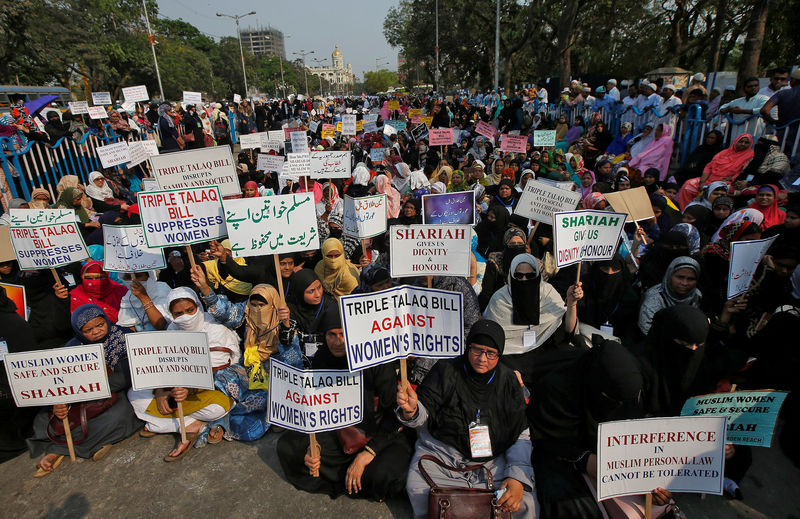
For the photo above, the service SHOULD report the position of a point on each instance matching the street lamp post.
(436, 73)
(319, 62)
(152, 40)
(303, 55)
(236, 18)
(497, 49)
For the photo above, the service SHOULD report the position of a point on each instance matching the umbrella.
(37, 104)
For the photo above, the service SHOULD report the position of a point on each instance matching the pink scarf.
(657, 154)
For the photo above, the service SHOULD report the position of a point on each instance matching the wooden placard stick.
(280, 279)
(533, 233)
(313, 446)
(183, 422)
(648, 506)
(578, 277)
(191, 256)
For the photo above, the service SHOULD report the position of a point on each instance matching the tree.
(380, 81)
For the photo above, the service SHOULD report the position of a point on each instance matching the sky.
(356, 26)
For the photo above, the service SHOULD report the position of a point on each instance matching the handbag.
(208, 140)
(188, 136)
(79, 416)
(461, 502)
(352, 439)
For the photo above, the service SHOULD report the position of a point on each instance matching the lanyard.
(487, 383)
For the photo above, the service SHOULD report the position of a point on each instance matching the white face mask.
(190, 322)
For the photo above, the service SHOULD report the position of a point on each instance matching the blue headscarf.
(113, 342)
(692, 235)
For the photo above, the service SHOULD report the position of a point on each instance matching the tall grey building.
(263, 41)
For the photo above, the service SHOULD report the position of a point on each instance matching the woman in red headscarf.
(767, 202)
(96, 288)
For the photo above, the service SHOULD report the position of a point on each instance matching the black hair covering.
(309, 317)
(602, 291)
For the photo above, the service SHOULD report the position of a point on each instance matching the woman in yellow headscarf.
(261, 318)
(231, 284)
(338, 278)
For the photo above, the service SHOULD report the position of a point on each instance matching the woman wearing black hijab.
(491, 229)
(700, 157)
(308, 308)
(506, 195)
(605, 305)
(411, 213)
(471, 396)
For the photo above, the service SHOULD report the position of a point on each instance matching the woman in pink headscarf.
(384, 186)
(657, 154)
(308, 185)
(384, 112)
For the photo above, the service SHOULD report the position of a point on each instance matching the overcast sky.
(318, 25)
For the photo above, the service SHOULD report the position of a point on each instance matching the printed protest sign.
(348, 124)
(125, 250)
(192, 98)
(364, 217)
(430, 250)
(330, 164)
(427, 120)
(635, 202)
(399, 322)
(267, 145)
(299, 141)
(514, 143)
(312, 401)
(298, 164)
(181, 216)
(751, 414)
(486, 129)
(419, 132)
(149, 184)
(440, 136)
(79, 107)
(114, 154)
(169, 359)
(212, 166)
(140, 151)
(370, 127)
(414, 111)
(46, 238)
(328, 130)
(270, 162)
(135, 93)
(249, 141)
(370, 118)
(273, 225)
(97, 112)
(16, 294)
(397, 125)
(539, 201)
(359, 125)
(101, 98)
(544, 137)
(59, 376)
(237, 98)
(745, 257)
(276, 135)
(376, 154)
(586, 235)
(678, 454)
(389, 130)
(393, 105)
(449, 208)
(313, 126)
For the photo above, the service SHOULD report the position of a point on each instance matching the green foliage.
(380, 81)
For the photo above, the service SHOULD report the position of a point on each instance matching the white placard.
(313, 126)
(430, 250)
(149, 184)
(192, 98)
(364, 217)
(277, 135)
(101, 98)
(237, 98)
(348, 124)
(586, 235)
(169, 359)
(125, 250)
(268, 145)
(299, 141)
(370, 127)
(268, 162)
(272, 225)
(113, 154)
(540, 200)
(204, 167)
(745, 257)
(46, 238)
(135, 93)
(181, 216)
(79, 107)
(59, 376)
(298, 164)
(330, 164)
(249, 141)
(679, 454)
(544, 138)
(314, 400)
(399, 322)
(97, 112)
(140, 151)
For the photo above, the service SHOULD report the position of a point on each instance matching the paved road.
(245, 480)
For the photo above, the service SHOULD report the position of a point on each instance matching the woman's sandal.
(191, 437)
(144, 433)
(42, 472)
(97, 456)
(216, 430)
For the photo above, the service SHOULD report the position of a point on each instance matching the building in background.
(341, 78)
(263, 41)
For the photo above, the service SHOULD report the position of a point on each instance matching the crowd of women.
(546, 358)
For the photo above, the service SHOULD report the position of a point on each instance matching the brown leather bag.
(461, 502)
(79, 416)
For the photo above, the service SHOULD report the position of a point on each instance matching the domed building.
(341, 78)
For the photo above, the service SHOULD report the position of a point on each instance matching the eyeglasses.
(524, 275)
(477, 352)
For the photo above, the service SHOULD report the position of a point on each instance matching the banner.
(486, 129)
(364, 217)
(114, 154)
(545, 138)
(635, 202)
(745, 257)
(125, 250)
(314, 400)
(376, 154)
(140, 151)
(430, 250)
(399, 322)
(169, 359)
(192, 98)
(539, 201)
(273, 225)
(46, 238)
(330, 164)
(586, 235)
(270, 162)
(514, 143)
(440, 137)
(78, 107)
(181, 216)
(348, 124)
(97, 112)
(101, 98)
(59, 376)
(751, 414)
(449, 208)
(678, 454)
(197, 168)
(298, 164)
(135, 93)
(419, 132)
(15, 293)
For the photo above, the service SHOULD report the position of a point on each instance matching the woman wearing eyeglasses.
(471, 409)
(532, 313)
